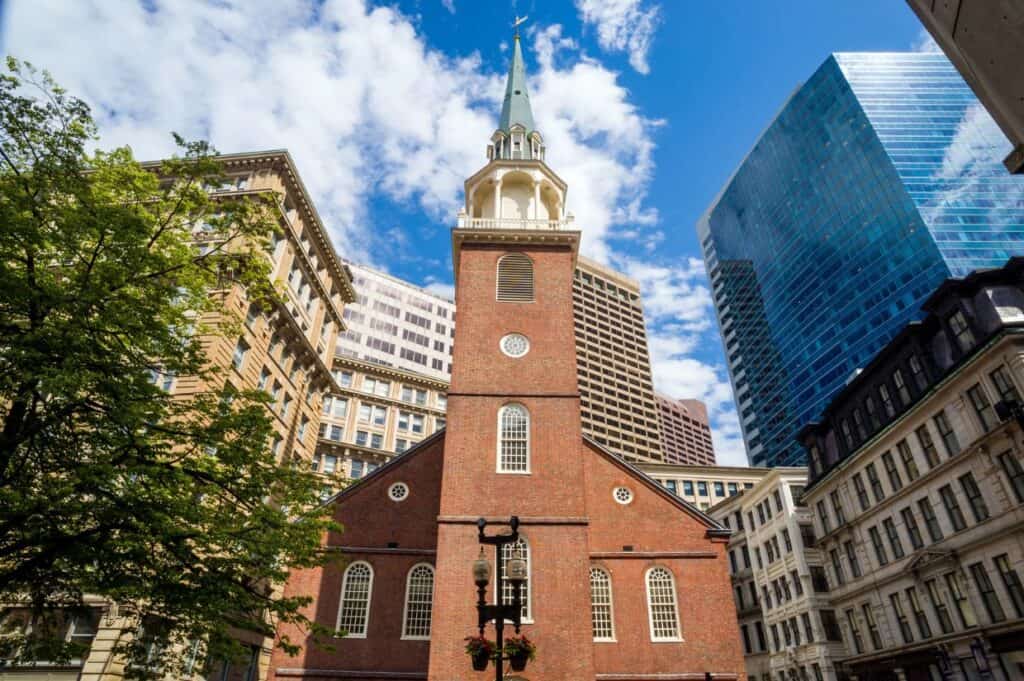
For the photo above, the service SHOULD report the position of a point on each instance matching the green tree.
(176, 510)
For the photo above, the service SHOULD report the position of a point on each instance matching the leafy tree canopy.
(174, 509)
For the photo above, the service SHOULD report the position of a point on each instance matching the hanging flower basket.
(519, 650)
(480, 650)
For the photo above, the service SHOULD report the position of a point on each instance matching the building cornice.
(404, 375)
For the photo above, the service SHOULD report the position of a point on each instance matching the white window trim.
(405, 603)
(611, 606)
(650, 611)
(529, 441)
(391, 488)
(369, 599)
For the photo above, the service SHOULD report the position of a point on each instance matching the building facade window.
(894, 538)
(947, 434)
(876, 484)
(901, 618)
(982, 407)
(961, 331)
(513, 439)
(661, 605)
(851, 558)
(1004, 384)
(356, 589)
(601, 615)
(876, 541)
(1014, 471)
(873, 633)
(931, 522)
(920, 617)
(901, 387)
(959, 595)
(419, 600)
(989, 597)
(1012, 582)
(931, 453)
(892, 472)
(907, 457)
(952, 506)
(913, 531)
(978, 507)
(851, 620)
(939, 606)
(862, 492)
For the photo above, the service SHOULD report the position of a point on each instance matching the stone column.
(497, 200)
(536, 199)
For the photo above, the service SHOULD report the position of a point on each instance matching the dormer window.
(961, 331)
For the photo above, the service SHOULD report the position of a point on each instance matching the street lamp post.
(499, 612)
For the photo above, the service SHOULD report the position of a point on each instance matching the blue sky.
(646, 106)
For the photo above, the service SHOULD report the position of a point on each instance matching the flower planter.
(480, 661)
(518, 660)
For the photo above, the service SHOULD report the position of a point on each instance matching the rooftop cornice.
(404, 375)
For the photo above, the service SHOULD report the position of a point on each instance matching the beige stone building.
(286, 351)
(377, 413)
(786, 620)
(704, 486)
(917, 487)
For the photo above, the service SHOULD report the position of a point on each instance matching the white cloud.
(925, 42)
(364, 106)
(449, 5)
(623, 26)
(440, 288)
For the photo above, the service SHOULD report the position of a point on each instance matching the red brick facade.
(569, 514)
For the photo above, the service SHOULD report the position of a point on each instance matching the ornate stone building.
(917, 489)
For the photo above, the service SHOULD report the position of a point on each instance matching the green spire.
(516, 107)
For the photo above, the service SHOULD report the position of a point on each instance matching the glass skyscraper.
(881, 176)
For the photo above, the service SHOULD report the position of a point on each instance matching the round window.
(398, 491)
(515, 345)
(623, 495)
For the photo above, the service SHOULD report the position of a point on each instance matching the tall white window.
(520, 549)
(419, 598)
(661, 605)
(513, 439)
(356, 587)
(601, 605)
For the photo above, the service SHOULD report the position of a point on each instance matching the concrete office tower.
(613, 365)
(880, 177)
(703, 486)
(685, 433)
(396, 324)
(985, 40)
(787, 623)
(917, 487)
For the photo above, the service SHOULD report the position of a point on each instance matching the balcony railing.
(466, 222)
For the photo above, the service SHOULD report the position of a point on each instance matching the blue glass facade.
(881, 177)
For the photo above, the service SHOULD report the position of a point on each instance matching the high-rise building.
(685, 432)
(589, 533)
(879, 178)
(614, 369)
(985, 40)
(396, 324)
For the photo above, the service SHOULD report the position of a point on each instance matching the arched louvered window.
(515, 278)
(601, 605)
(513, 439)
(661, 605)
(419, 598)
(519, 549)
(356, 588)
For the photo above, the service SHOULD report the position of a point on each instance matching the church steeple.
(515, 110)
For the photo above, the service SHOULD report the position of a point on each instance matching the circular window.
(515, 345)
(623, 495)
(398, 491)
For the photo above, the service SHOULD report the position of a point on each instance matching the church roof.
(515, 109)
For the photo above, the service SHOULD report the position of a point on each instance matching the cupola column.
(536, 198)
(497, 199)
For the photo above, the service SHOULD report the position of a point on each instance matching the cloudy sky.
(646, 108)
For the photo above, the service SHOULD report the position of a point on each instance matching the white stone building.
(786, 621)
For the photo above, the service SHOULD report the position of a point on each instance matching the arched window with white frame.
(518, 549)
(356, 589)
(419, 599)
(601, 605)
(662, 608)
(513, 439)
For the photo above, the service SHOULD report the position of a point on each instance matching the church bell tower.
(513, 444)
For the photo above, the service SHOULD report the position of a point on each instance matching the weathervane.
(519, 20)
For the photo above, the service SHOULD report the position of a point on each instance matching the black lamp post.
(499, 612)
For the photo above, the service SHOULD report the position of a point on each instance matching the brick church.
(624, 580)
